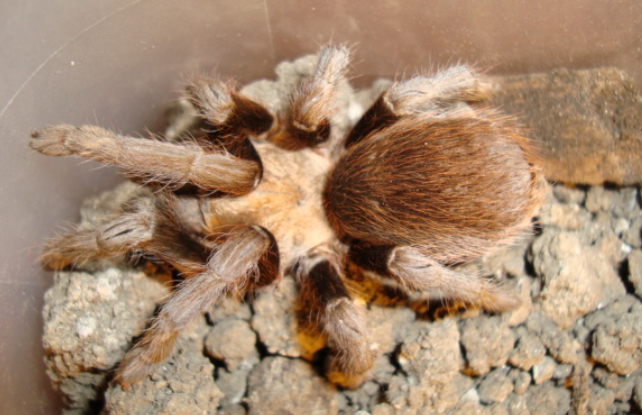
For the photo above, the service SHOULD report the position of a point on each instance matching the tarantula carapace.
(422, 182)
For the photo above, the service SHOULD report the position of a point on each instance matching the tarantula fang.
(422, 182)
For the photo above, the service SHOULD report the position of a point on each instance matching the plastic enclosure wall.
(118, 63)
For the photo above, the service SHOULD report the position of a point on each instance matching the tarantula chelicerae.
(420, 183)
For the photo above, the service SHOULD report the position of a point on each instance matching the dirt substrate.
(574, 346)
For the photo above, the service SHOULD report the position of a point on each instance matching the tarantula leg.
(312, 103)
(207, 168)
(223, 107)
(410, 267)
(229, 268)
(340, 320)
(442, 95)
(117, 236)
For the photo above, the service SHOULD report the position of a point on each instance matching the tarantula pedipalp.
(420, 183)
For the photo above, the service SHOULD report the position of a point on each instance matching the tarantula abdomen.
(457, 187)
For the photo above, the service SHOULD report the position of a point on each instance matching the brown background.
(118, 63)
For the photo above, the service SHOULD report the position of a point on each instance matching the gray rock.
(232, 410)
(389, 326)
(229, 307)
(635, 271)
(600, 401)
(280, 385)
(90, 320)
(233, 342)
(275, 320)
(563, 215)
(521, 380)
(495, 386)
(617, 342)
(622, 386)
(232, 384)
(633, 235)
(183, 385)
(562, 372)
(487, 342)
(383, 409)
(431, 357)
(544, 370)
(577, 279)
(528, 351)
(558, 343)
(569, 194)
(517, 404)
(546, 399)
(382, 370)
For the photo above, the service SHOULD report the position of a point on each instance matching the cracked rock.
(184, 385)
(90, 320)
(617, 341)
(280, 385)
(577, 278)
(487, 343)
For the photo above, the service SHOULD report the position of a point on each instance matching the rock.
(617, 342)
(568, 194)
(562, 372)
(232, 384)
(564, 215)
(621, 202)
(528, 351)
(622, 386)
(587, 123)
(233, 342)
(633, 235)
(544, 370)
(232, 410)
(90, 321)
(431, 358)
(229, 307)
(495, 386)
(183, 385)
(521, 380)
(382, 369)
(577, 279)
(546, 399)
(275, 320)
(600, 400)
(383, 409)
(635, 271)
(389, 326)
(558, 343)
(520, 314)
(487, 342)
(280, 385)
(517, 404)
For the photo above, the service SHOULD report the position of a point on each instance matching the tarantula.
(422, 182)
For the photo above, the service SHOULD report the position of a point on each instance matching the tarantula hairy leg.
(234, 262)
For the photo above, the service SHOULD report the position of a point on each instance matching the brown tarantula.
(422, 182)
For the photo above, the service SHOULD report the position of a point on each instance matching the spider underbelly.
(287, 202)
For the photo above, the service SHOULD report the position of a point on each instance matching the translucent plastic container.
(119, 63)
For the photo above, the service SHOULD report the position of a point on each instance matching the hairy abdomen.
(457, 188)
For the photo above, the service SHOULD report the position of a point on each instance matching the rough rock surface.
(306, 391)
(91, 319)
(182, 386)
(588, 123)
(573, 346)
